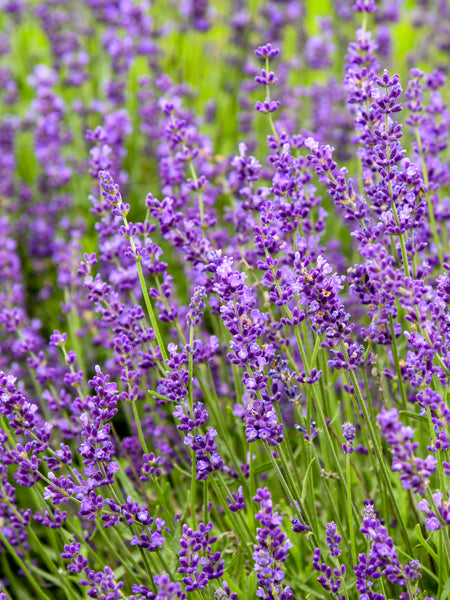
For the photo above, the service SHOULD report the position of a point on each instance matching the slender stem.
(242, 529)
(193, 474)
(191, 409)
(37, 588)
(205, 502)
(147, 301)
(446, 539)
(397, 363)
(251, 482)
(286, 489)
(426, 181)
(220, 422)
(191, 371)
(271, 123)
(369, 424)
(350, 510)
(402, 243)
(139, 428)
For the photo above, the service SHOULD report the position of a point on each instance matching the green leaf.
(446, 591)
(264, 468)
(251, 586)
(424, 542)
(412, 415)
(305, 479)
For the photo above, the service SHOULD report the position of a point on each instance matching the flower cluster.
(224, 312)
(414, 471)
(271, 550)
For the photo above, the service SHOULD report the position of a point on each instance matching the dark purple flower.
(271, 549)
(261, 422)
(330, 579)
(435, 521)
(150, 466)
(151, 538)
(238, 502)
(72, 552)
(414, 471)
(333, 539)
(102, 584)
(196, 306)
(383, 558)
(349, 434)
(205, 448)
(198, 561)
(266, 51)
(224, 593)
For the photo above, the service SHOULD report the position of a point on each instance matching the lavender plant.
(224, 301)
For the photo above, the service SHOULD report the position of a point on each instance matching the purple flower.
(333, 539)
(166, 590)
(271, 549)
(198, 561)
(58, 339)
(224, 593)
(196, 306)
(150, 466)
(15, 406)
(266, 51)
(268, 106)
(367, 572)
(330, 579)
(53, 521)
(435, 521)
(440, 417)
(319, 48)
(238, 502)
(383, 558)
(414, 471)
(188, 423)
(197, 13)
(365, 6)
(349, 434)
(102, 584)
(205, 448)
(150, 539)
(261, 422)
(72, 552)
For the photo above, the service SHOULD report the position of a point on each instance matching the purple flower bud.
(266, 51)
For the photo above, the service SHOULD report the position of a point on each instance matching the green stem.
(369, 424)
(241, 526)
(446, 539)
(193, 472)
(21, 564)
(220, 422)
(271, 123)
(350, 510)
(205, 502)
(286, 489)
(252, 483)
(52, 566)
(139, 428)
(426, 181)
(147, 301)
(224, 489)
(191, 371)
(397, 363)
(402, 243)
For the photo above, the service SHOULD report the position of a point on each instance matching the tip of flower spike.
(267, 51)
(105, 177)
(365, 6)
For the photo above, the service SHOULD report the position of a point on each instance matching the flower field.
(224, 300)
